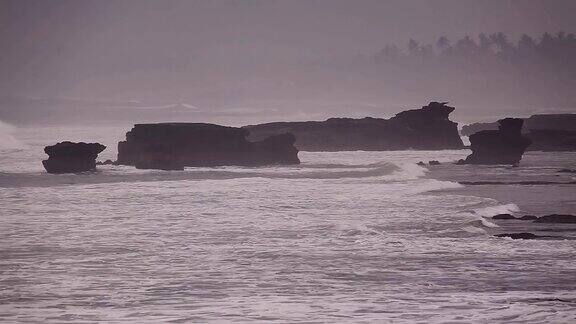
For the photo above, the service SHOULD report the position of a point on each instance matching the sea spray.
(7, 140)
(499, 209)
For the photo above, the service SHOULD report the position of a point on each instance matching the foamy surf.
(499, 209)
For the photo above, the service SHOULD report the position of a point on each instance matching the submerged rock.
(503, 146)
(173, 146)
(503, 216)
(557, 218)
(427, 128)
(434, 162)
(528, 217)
(519, 236)
(70, 157)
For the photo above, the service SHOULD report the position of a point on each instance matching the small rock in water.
(567, 171)
(519, 236)
(528, 217)
(503, 216)
(503, 146)
(71, 157)
(421, 163)
(557, 218)
(434, 162)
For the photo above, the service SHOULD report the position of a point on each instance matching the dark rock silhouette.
(567, 171)
(503, 216)
(519, 236)
(173, 146)
(528, 217)
(473, 128)
(434, 162)
(427, 128)
(70, 157)
(548, 132)
(553, 140)
(421, 163)
(557, 218)
(503, 146)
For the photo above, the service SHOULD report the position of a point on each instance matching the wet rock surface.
(72, 157)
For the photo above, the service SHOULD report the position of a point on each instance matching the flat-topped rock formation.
(173, 146)
(503, 146)
(70, 157)
(427, 128)
(548, 132)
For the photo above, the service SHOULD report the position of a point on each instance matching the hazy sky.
(129, 49)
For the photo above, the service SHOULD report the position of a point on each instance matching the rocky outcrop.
(427, 128)
(551, 121)
(70, 157)
(534, 122)
(552, 140)
(503, 146)
(173, 146)
(473, 128)
(548, 132)
(557, 218)
(503, 216)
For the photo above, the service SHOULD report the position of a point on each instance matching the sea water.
(343, 237)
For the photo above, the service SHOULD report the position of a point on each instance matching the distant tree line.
(535, 69)
(558, 50)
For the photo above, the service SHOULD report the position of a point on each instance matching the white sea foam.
(7, 139)
(495, 210)
(343, 237)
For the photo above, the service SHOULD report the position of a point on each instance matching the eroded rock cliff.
(427, 128)
(173, 146)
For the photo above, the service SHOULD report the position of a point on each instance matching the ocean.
(345, 237)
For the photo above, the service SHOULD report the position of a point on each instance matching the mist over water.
(7, 139)
(343, 237)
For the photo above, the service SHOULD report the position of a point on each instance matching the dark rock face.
(434, 162)
(172, 146)
(473, 128)
(503, 146)
(552, 140)
(503, 216)
(528, 217)
(551, 121)
(557, 218)
(70, 157)
(427, 128)
(519, 236)
(548, 132)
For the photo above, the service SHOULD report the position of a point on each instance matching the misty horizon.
(276, 59)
